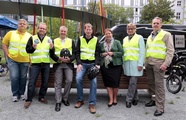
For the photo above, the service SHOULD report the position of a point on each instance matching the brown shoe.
(42, 100)
(27, 104)
(79, 104)
(92, 108)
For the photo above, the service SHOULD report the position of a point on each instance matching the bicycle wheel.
(4, 70)
(182, 70)
(173, 84)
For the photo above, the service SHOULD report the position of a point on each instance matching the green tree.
(93, 8)
(53, 25)
(160, 8)
(116, 13)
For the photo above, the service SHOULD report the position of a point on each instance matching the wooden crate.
(142, 81)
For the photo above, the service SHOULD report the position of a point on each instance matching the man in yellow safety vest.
(159, 54)
(13, 44)
(38, 46)
(63, 66)
(87, 56)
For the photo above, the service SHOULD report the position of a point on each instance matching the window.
(131, 2)
(136, 2)
(75, 2)
(113, 1)
(117, 2)
(141, 2)
(79, 2)
(136, 20)
(178, 3)
(178, 14)
(122, 2)
(136, 11)
(55, 2)
(107, 1)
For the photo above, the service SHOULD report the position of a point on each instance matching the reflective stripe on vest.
(156, 48)
(41, 54)
(18, 45)
(59, 46)
(131, 48)
(88, 49)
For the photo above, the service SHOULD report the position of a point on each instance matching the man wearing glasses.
(159, 54)
(38, 46)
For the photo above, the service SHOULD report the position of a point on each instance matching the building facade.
(180, 11)
(137, 5)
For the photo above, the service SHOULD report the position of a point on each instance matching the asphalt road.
(175, 107)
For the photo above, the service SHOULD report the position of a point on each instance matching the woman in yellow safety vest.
(133, 60)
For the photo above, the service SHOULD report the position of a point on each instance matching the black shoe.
(158, 113)
(150, 104)
(135, 102)
(110, 105)
(128, 104)
(66, 103)
(114, 103)
(58, 107)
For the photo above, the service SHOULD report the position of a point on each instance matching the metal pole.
(63, 13)
(102, 20)
(34, 27)
(82, 28)
(42, 14)
(19, 4)
(50, 19)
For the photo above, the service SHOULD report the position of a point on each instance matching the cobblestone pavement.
(175, 107)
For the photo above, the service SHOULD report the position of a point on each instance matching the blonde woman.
(133, 60)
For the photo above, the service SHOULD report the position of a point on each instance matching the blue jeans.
(18, 76)
(35, 69)
(79, 85)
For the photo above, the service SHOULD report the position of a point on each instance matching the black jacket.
(78, 52)
(56, 58)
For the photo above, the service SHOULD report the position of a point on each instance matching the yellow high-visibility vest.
(156, 48)
(88, 49)
(41, 54)
(131, 48)
(59, 46)
(18, 45)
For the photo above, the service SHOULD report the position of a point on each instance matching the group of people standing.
(110, 56)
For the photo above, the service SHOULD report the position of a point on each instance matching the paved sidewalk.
(175, 108)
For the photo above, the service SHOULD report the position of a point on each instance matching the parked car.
(178, 32)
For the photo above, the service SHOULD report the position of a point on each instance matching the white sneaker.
(14, 98)
(22, 97)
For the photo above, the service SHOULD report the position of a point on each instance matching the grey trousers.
(132, 93)
(156, 85)
(58, 82)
